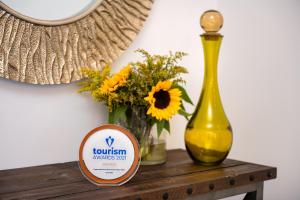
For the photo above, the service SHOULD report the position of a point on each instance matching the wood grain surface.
(179, 178)
(40, 54)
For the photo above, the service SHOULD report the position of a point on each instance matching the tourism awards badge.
(109, 155)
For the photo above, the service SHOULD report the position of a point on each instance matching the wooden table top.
(179, 178)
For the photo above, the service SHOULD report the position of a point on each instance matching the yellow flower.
(164, 101)
(111, 84)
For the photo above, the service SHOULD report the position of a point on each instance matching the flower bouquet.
(141, 96)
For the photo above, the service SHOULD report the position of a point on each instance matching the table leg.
(256, 195)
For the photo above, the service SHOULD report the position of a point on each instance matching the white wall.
(259, 77)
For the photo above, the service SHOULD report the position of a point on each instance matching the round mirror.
(50, 12)
(49, 41)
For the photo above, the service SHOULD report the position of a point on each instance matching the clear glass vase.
(152, 147)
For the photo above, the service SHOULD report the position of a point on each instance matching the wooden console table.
(179, 178)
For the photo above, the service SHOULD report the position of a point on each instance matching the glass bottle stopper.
(211, 22)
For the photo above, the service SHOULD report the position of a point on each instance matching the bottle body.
(208, 135)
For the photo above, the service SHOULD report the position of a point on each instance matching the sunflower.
(117, 80)
(164, 101)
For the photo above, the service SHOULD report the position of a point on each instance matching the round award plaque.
(109, 155)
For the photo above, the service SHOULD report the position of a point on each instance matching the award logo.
(109, 155)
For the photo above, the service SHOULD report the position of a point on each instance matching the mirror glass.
(50, 9)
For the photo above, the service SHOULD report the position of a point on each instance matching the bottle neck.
(211, 47)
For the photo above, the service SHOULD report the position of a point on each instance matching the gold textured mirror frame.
(53, 52)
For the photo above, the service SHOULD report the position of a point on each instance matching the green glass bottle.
(208, 135)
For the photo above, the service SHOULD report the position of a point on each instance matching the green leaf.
(159, 126)
(184, 113)
(167, 126)
(184, 94)
(117, 114)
